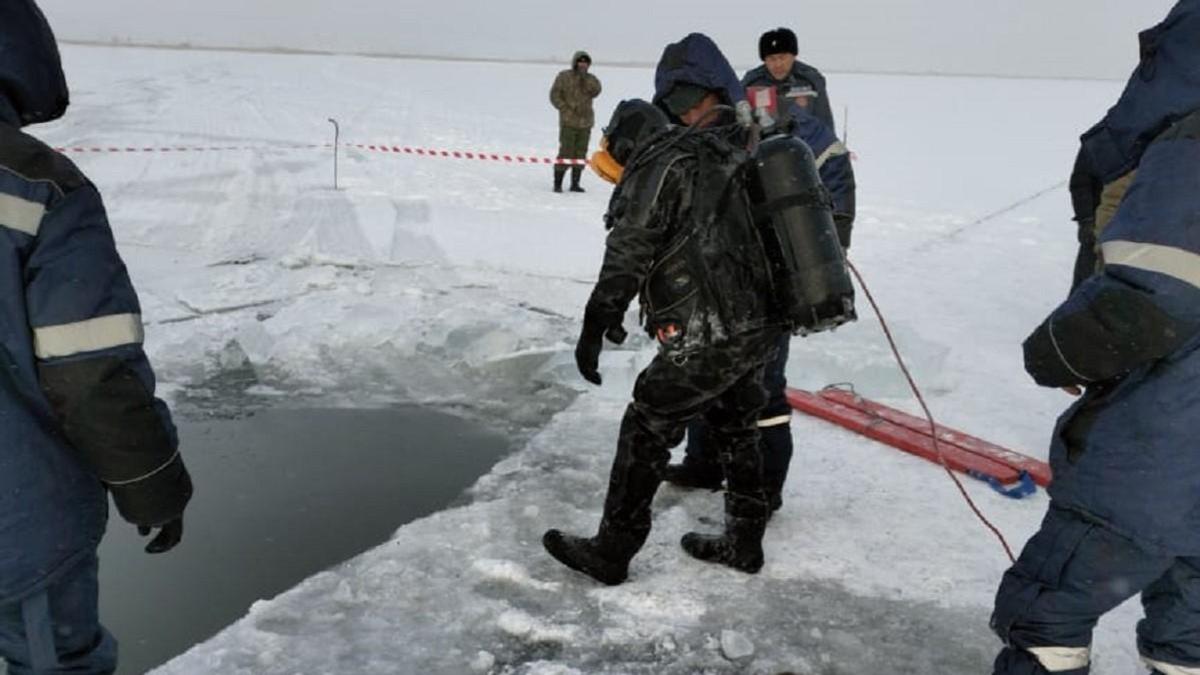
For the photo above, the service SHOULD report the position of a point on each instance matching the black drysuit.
(683, 240)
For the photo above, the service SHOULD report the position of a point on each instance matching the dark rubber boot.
(695, 474)
(598, 557)
(604, 557)
(560, 170)
(740, 547)
(634, 479)
(576, 174)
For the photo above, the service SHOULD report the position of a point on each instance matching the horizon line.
(294, 51)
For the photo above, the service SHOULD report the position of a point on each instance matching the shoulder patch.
(32, 160)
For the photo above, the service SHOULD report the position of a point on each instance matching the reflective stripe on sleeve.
(1061, 659)
(837, 148)
(1170, 669)
(1168, 260)
(1063, 357)
(103, 332)
(778, 420)
(148, 474)
(21, 215)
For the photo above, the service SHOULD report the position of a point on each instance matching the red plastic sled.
(965, 453)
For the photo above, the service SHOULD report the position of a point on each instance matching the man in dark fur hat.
(795, 80)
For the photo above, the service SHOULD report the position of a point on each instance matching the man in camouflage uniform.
(682, 236)
(572, 95)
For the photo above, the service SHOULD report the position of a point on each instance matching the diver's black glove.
(591, 342)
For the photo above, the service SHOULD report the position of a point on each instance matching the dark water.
(280, 495)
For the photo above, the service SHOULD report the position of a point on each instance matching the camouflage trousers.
(573, 143)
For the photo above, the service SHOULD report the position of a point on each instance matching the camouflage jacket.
(572, 96)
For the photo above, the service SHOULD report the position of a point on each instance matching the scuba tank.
(792, 210)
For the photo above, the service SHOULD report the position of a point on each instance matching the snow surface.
(461, 283)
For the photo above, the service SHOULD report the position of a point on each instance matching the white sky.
(1060, 38)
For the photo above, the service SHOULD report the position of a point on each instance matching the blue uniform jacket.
(76, 392)
(1128, 452)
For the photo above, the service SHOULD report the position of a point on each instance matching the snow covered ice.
(461, 283)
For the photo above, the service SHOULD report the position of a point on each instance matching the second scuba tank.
(792, 211)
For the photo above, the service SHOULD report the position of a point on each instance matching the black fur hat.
(778, 41)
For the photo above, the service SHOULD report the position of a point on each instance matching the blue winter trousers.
(1071, 572)
(57, 630)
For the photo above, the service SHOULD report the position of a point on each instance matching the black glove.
(167, 537)
(1044, 362)
(591, 341)
(157, 501)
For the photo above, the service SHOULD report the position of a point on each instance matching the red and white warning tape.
(90, 149)
(464, 154)
(394, 149)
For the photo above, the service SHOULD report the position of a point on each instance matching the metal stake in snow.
(336, 135)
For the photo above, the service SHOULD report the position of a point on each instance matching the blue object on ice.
(1023, 487)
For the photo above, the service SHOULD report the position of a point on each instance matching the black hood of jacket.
(33, 88)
